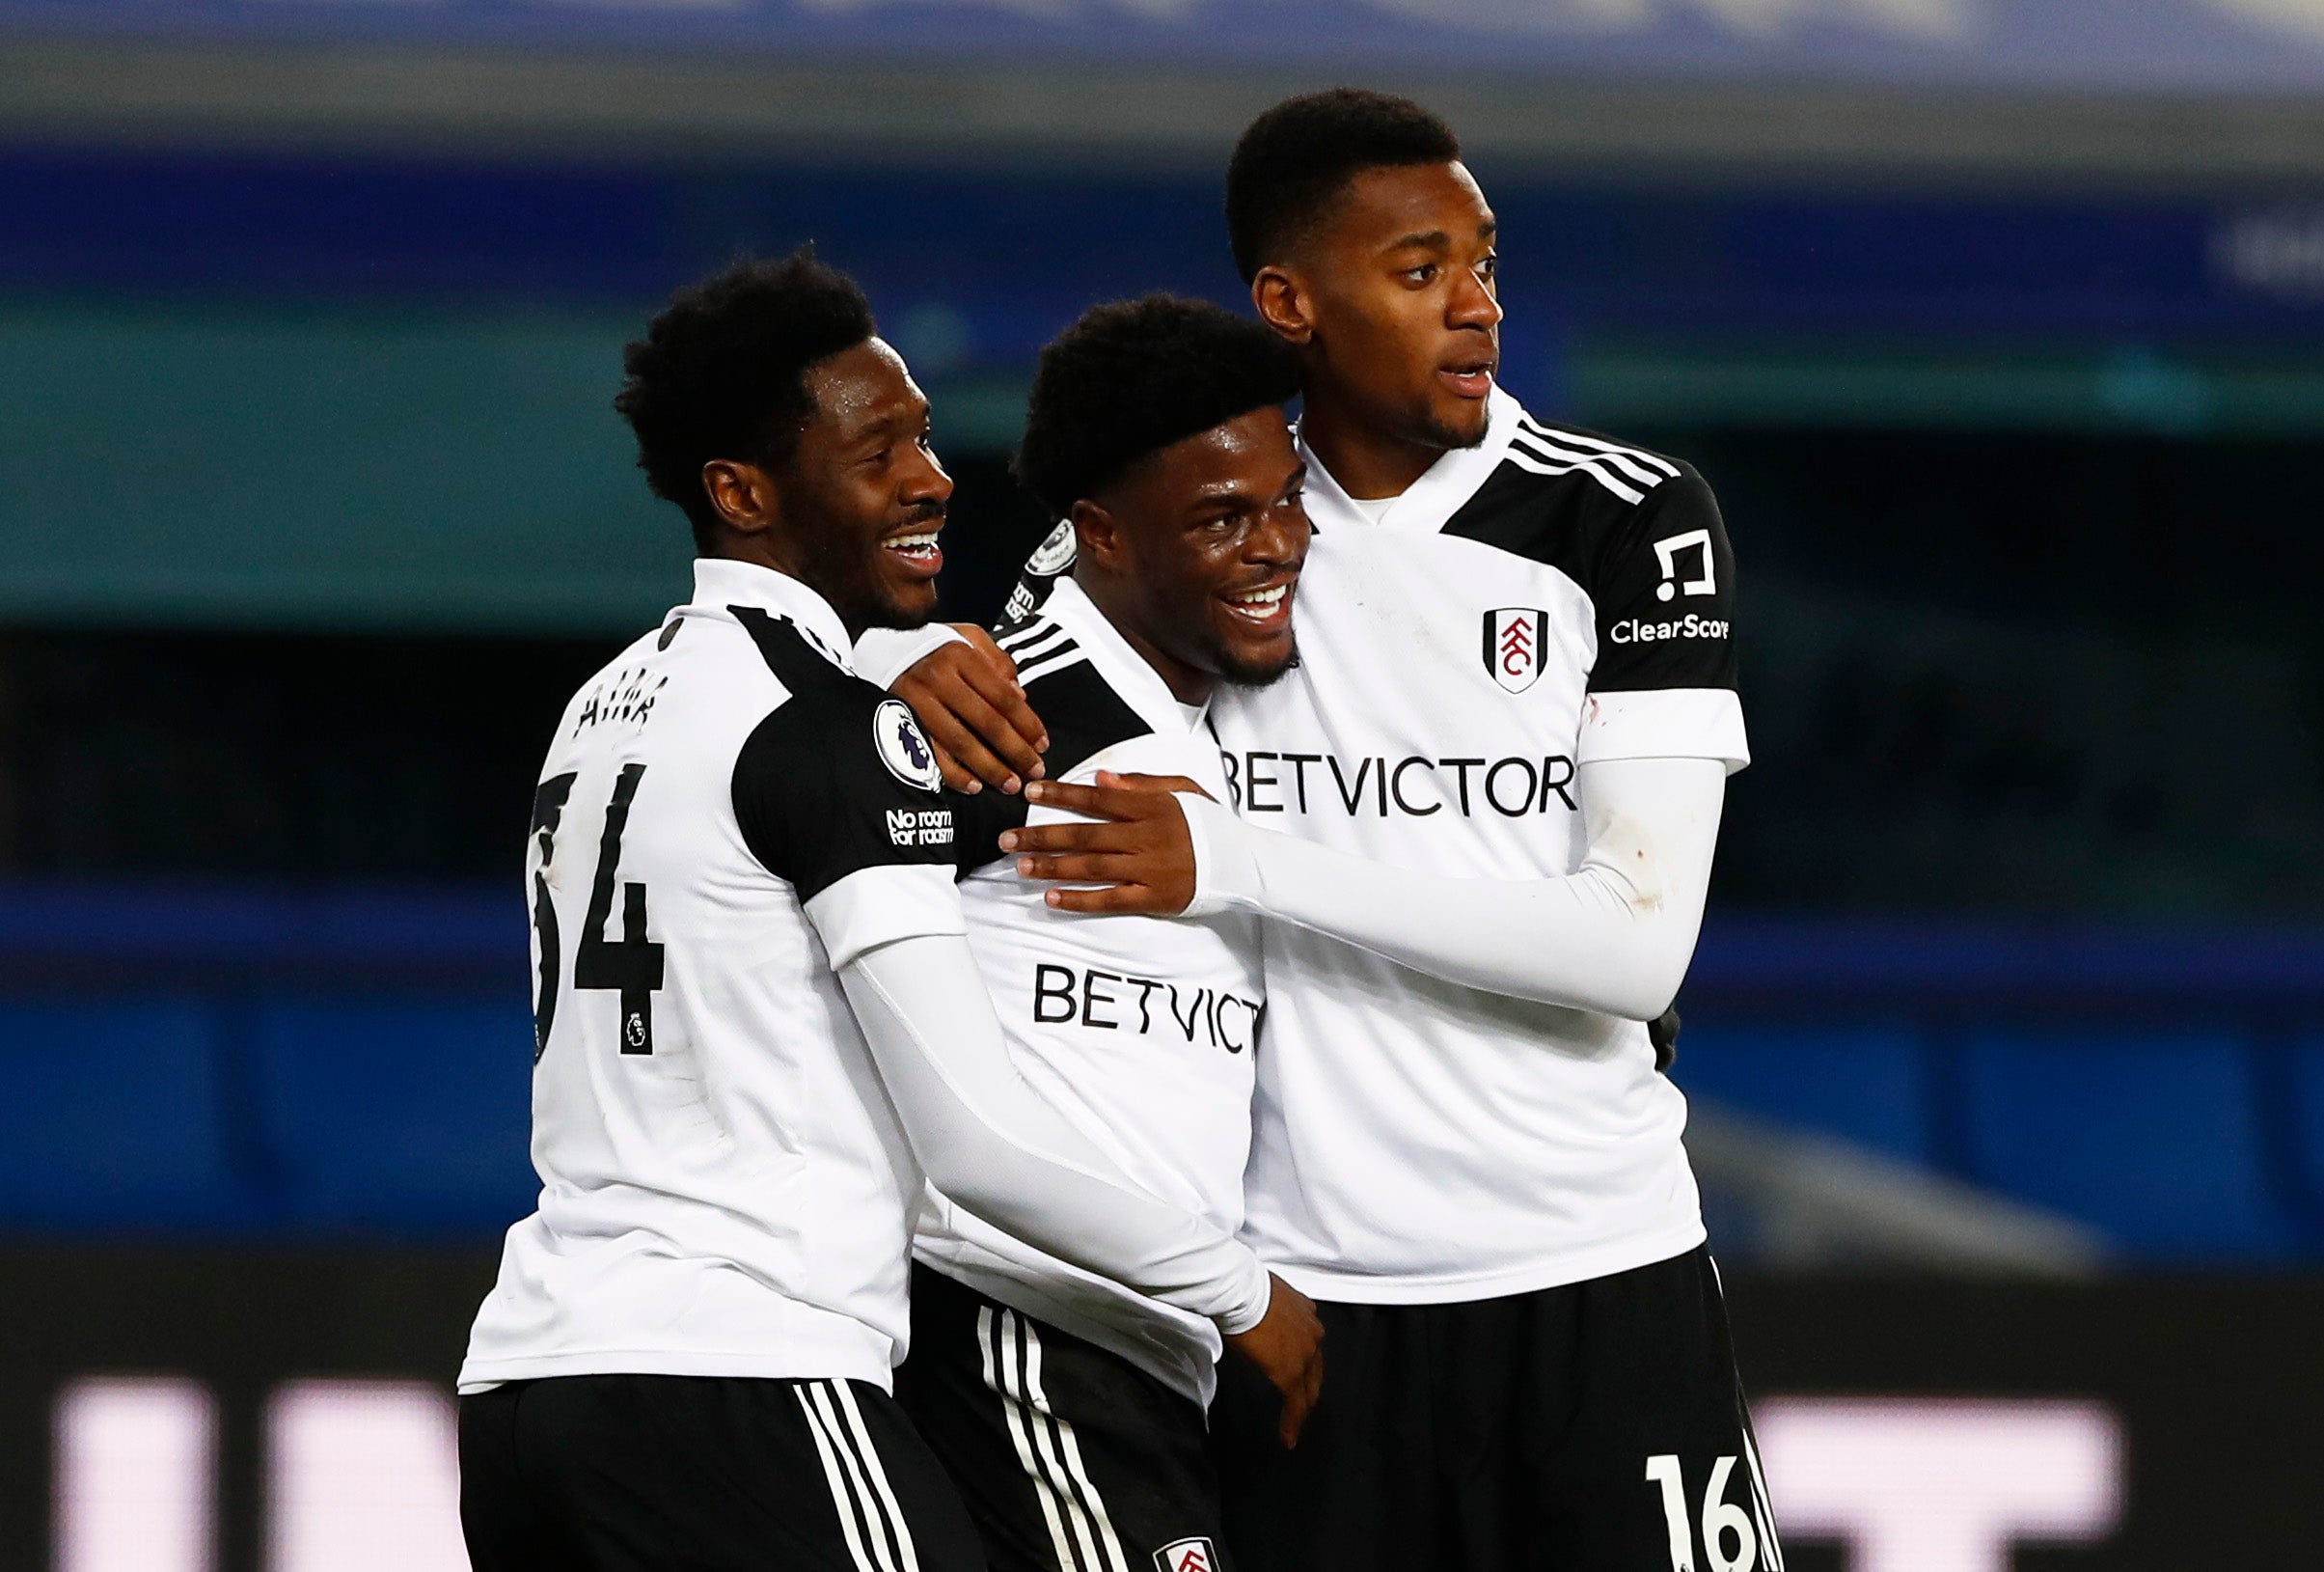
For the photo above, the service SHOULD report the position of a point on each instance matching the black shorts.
(632, 1473)
(1070, 1459)
(1594, 1427)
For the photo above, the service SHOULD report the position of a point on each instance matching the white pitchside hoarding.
(363, 1477)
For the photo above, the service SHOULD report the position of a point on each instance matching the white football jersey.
(1137, 1030)
(724, 1187)
(1544, 600)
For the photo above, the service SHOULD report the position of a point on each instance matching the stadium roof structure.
(2116, 89)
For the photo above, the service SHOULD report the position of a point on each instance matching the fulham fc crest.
(1513, 641)
(1187, 1556)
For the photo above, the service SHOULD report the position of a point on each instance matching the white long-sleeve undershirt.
(1614, 937)
(992, 1145)
(883, 654)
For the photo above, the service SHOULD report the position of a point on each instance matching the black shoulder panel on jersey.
(1646, 547)
(979, 822)
(1083, 715)
(837, 778)
(794, 655)
(1563, 519)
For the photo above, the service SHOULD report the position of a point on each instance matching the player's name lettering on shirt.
(1632, 630)
(1381, 788)
(920, 827)
(1114, 1001)
(625, 697)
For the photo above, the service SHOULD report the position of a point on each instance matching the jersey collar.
(1433, 499)
(1125, 670)
(719, 582)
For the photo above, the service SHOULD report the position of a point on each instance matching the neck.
(761, 549)
(1367, 460)
(1186, 684)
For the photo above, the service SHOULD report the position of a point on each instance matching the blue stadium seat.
(399, 1115)
(2308, 1123)
(2152, 1138)
(114, 1118)
(1862, 1085)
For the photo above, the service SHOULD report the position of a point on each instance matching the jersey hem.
(1191, 1378)
(834, 1361)
(1626, 1254)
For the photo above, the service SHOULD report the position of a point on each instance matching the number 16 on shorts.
(1734, 1539)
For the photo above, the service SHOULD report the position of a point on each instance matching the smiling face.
(1392, 300)
(863, 497)
(1194, 554)
(854, 511)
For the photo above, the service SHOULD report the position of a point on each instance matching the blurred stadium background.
(1998, 326)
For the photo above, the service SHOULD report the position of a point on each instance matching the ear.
(1099, 538)
(1282, 303)
(744, 494)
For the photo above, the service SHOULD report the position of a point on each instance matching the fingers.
(1296, 1412)
(991, 677)
(995, 714)
(1287, 1347)
(1301, 1378)
(1300, 1393)
(1139, 900)
(1297, 1403)
(1094, 802)
(969, 702)
(1150, 783)
(988, 647)
(955, 777)
(1081, 868)
(959, 722)
(969, 766)
(1060, 839)
(1300, 1384)
(1144, 849)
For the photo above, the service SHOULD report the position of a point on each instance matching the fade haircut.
(722, 372)
(1133, 377)
(1296, 159)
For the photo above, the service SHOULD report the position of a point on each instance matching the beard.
(1247, 674)
(1422, 428)
(1420, 425)
(1434, 434)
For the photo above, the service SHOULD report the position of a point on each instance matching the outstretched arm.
(1614, 936)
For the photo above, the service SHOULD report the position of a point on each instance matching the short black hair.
(721, 371)
(1130, 379)
(1295, 159)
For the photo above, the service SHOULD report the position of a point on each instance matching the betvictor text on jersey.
(1415, 787)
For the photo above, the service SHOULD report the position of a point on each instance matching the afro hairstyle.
(1294, 160)
(721, 371)
(1130, 379)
